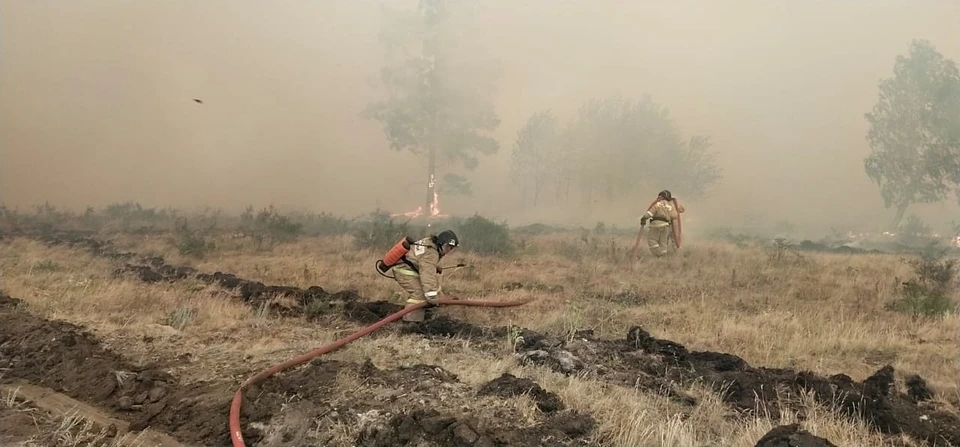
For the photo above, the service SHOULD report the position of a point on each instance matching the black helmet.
(665, 194)
(447, 237)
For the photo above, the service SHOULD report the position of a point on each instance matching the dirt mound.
(429, 426)
(282, 300)
(508, 385)
(287, 301)
(658, 366)
(442, 326)
(652, 361)
(80, 239)
(792, 436)
(65, 358)
(404, 406)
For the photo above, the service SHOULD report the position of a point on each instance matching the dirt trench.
(637, 360)
(67, 359)
(415, 405)
(405, 406)
(285, 301)
(657, 366)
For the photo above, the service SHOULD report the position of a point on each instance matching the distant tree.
(693, 168)
(439, 103)
(914, 132)
(618, 146)
(533, 162)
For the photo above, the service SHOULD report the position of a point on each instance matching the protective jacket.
(662, 212)
(422, 262)
(664, 216)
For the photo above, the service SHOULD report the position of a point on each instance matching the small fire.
(434, 206)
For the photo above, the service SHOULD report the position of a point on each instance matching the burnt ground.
(406, 406)
(657, 365)
(287, 301)
(637, 360)
(792, 436)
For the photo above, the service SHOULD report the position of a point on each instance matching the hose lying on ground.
(235, 431)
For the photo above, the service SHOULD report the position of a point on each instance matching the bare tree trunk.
(431, 179)
(901, 209)
(432, 162)
(536, 192)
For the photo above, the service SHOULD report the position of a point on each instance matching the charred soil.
(405, 406)
(425, 403)
(284, 301)
(66, 359)
(656, 365)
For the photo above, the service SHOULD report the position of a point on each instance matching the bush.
(929, 293)
(915, 233)
(483, 236)
(190, 242)
(381, 232)
(325, 224)
(269, 225)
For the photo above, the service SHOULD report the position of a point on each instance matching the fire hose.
(235, 432)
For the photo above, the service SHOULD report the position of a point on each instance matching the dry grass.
(38, 428)
(824, 313)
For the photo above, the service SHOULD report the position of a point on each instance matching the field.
(128, 327)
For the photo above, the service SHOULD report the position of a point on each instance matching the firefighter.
(418, 272)
(664, 217)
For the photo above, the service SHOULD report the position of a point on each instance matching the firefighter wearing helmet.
(664, 217)
(418, 271)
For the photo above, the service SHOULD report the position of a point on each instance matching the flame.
(434, 206)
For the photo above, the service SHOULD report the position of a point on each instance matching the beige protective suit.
(422, 280)
(662, 213)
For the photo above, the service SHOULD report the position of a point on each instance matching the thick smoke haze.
(97, 101)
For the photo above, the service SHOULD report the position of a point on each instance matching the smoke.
(98, 101)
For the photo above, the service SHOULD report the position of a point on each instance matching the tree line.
(611, 147)
(438, 105)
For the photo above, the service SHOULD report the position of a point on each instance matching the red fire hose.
(235, 432)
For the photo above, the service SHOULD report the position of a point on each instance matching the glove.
(431, 301)
(643, 220)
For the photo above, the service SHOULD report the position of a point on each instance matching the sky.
(97, 101)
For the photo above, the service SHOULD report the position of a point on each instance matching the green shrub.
(268, 226)
(181, 317)
(929, 293)
(325, 224)
(915, 233)
(381, 232)
(190, 242)
(483, 236)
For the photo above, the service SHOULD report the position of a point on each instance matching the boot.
(416, 316)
